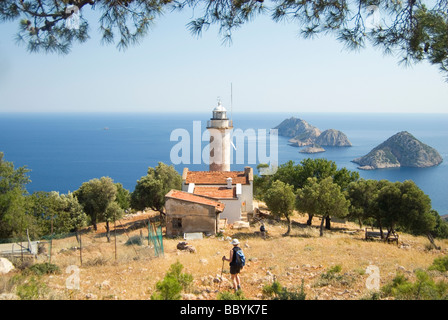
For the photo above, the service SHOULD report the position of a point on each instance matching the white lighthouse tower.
(220, 128)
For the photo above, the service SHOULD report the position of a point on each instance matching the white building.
(233, 188)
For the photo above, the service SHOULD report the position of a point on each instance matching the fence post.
(80, 248)
(115, 234)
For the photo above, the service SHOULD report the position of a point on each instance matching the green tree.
(113, 213)
(14, 217)
(414, 30)
(323, 198)
(404, 205)
(56, 213)
(362, 195)
(123, 197)
(441, 226)
(95, 196)
(297, 175)
(151, 189)
(280, 200)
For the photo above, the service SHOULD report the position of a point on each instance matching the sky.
(270, 68)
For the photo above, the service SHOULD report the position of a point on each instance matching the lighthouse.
(220, 128)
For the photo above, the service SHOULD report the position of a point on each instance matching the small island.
(400, 150)
(312, 149)
(304, 134)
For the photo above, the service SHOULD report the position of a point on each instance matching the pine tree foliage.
(414, 30)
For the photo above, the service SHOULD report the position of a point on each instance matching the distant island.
(312, 149)
(400, 150)
(303, 134)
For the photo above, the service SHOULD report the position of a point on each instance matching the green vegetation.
(323, 190)
(424, 288)
(98, 200)
(173, 284)
(280, 200)
(31, 289)
(276, 291)
(440, 264)
(227, 295)
(322, 198)
(151, 189)
(40, 269)
(334, 276)
(417, 30)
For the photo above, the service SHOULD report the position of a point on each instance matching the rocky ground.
(302, 257)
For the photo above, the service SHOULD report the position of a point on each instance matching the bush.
(43, 268)
(440, 264)
(137, 240)
(333, 276)
(276, 291)
(31, 289)
(424, 288)
(226, 295)
(172, 285)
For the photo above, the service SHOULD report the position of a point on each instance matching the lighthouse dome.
(219, 113)
(219, 108)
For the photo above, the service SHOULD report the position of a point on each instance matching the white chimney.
(229, 183)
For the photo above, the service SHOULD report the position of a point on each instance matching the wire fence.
(88, 247)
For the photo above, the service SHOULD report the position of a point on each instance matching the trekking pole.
(222, 269)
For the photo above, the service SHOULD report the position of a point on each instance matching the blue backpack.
(240, 259)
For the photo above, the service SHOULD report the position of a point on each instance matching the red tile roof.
(216, 192)
(181, 195)
(216, 177)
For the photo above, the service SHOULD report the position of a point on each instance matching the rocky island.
(400, 150)
(303, 134)
(312, 149)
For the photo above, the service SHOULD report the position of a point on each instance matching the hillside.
(400, 150)
(304, 134)
(302, 256)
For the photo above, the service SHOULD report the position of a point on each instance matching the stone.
(184, 246)
(241, 225)
(5, 266)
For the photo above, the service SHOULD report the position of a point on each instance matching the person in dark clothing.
(263, 231)
(234, 269)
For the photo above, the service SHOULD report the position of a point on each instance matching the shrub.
(333, 276)
(43, 268)
(226, 295)
(31, 289)
(137, 240)
(172, 285)
(440, 264)
(424, 288)
(276, 291)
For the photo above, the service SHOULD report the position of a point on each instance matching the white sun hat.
(235, 242)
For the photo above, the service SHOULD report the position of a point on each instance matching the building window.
(177, 223)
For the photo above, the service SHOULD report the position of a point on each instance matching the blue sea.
(63, 150)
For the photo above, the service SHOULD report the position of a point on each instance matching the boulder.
(184, 246)
(241, 225)
(5, 266)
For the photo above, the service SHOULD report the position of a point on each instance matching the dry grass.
(302, 255)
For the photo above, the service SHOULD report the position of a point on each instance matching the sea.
(63, 150)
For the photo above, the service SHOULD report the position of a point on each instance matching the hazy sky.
(270, 67)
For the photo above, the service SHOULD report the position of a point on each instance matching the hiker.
(237, 262)
(263, 231)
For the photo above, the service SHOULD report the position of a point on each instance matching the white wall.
(232, 211)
